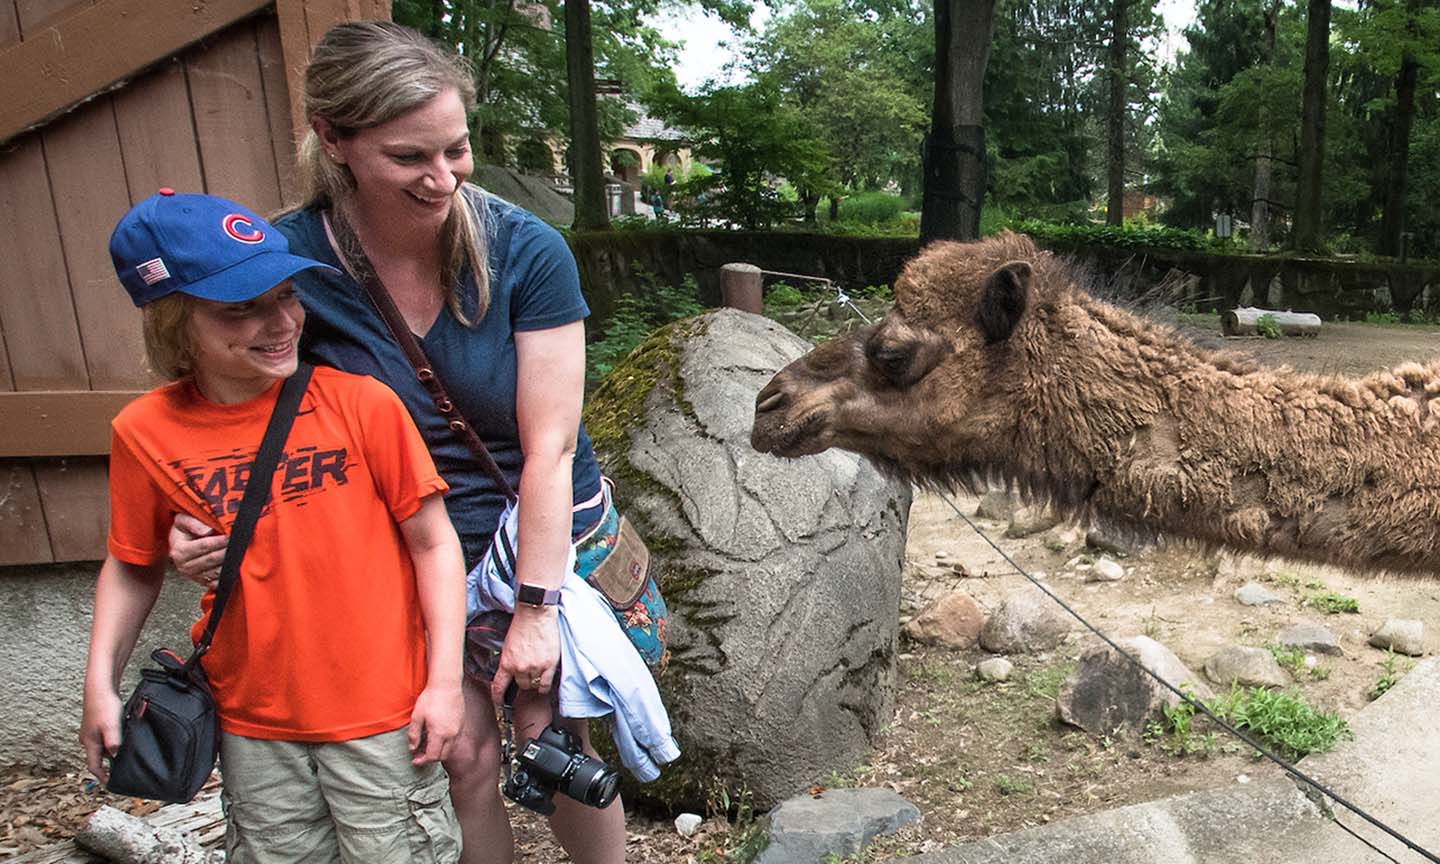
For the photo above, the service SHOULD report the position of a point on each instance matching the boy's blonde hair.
(168, 344)
(362, 74)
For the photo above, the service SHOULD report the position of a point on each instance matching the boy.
(336, 667)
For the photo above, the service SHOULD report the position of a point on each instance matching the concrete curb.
(1391, 770)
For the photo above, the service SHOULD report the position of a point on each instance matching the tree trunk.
(954, 161)
(1264, 160)
(1312, 127)
(1115, 117)
(591, 212)
(1392, 224)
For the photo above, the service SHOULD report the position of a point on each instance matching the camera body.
(555, 761)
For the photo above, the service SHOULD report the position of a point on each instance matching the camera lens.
(593, 782)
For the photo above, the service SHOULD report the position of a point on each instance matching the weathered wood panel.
(231, 121)
(283, 139)
(157, 135)
(36, 311)
(74, 493)
(64, 423)
(7, 380)
(23, 539)
(87, 177)
(89, 50)
(35, 15)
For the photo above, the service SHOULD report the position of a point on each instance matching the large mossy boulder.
(782, 576)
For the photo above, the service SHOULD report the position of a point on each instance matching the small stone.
(1309, 637)
(995, 669)
(1106, 570)
(1107, 693)
(1248, 667)
(1401, 635)
(687, 824)
(953, 621)
(1027, 622)
(1255, 594)
(941, 556)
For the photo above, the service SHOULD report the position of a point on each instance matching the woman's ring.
(534, 680)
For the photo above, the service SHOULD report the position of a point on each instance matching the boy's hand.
(197, 550)
(436, 720)
(100, 731)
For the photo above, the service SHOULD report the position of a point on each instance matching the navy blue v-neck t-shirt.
(534, 285)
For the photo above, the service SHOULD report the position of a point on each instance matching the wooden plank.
(231, 123)
(60, 423)
(75, 495)
(23, 539)
(35, 15)
(86, 173)
(7, 380)
(157, 136)
(77, 56)
(36, 311)
(9, 25)
(277, 107)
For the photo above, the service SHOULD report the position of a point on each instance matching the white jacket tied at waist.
(600, 671)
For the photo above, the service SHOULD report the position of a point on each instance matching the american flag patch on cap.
(152, 271)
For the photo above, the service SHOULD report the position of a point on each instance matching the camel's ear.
(1002, 301)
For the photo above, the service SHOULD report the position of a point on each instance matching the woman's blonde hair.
(168, 344)
(362, 74)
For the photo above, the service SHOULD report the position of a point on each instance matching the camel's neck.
(1131, 423)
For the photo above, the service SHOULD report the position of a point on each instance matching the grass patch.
(1285, 721)
(1292, 660)
(1333, 604)
(1045, 683)
(1007, 785)
(747, 837)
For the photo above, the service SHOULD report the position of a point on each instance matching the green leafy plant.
(1268, 325)
(636, 316)
(1175, 731)
(1127, 237)
(1283, 719)
(748, 835)
(1391, 671)
(1292, 659)
(1333, 604)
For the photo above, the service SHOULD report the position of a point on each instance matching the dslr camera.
(554, 761)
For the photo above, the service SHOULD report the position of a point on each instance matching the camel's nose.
(769, 399)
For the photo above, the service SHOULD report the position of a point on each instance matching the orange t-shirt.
(323, 640)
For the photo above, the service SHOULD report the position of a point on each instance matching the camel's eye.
(893, 363)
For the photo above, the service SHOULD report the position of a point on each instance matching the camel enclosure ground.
(977, 758)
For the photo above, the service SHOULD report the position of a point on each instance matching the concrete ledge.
(1391, 770)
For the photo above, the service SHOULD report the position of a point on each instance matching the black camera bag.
(170, 734)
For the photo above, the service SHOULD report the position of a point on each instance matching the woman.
(493, 295)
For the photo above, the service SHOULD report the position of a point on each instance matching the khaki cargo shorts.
(358, 802)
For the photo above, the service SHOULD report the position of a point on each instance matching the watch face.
(534, 595)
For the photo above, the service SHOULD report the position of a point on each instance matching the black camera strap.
(252, 503)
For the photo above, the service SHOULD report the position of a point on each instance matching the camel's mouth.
(780, 436)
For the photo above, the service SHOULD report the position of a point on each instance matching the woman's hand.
(100, 731)
(531, 653)
(197, 550)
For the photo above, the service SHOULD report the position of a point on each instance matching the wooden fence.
(105, 102)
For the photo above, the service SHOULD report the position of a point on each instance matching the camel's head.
(918, 391)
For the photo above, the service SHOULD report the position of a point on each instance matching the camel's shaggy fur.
(994, 365)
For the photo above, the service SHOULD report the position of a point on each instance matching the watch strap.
(536, 595)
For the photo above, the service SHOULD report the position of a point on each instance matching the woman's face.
(411, 167)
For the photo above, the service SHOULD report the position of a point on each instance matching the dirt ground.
(979, 759)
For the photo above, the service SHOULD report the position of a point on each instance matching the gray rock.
(782, 576)
(995, 669)
(1027, 622)
(996, 504)
(1255, 594)
(688, 823)
(1107, 693)
(1308, 636)
(953, 621)
(1248, 667)
(1401, 635)
(839, 822)
(1031, 520)
(1106, 570)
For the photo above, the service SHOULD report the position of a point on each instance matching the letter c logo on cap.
(240, 228)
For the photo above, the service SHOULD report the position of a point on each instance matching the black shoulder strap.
(257, 493)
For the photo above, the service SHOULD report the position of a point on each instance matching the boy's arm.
(440, 582)
(124, 595)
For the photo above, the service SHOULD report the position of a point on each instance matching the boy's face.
(240, 349)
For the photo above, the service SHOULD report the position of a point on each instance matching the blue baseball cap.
(200, 245)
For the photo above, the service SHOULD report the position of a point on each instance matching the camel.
(994, 366)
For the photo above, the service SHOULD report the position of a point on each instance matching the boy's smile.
(241, 349)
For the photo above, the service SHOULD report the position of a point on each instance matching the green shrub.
(1134, 236)
(871, 208)
(636, 316)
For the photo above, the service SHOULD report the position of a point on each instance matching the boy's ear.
(1003, 297)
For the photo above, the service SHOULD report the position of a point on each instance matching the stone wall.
(612, 263)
